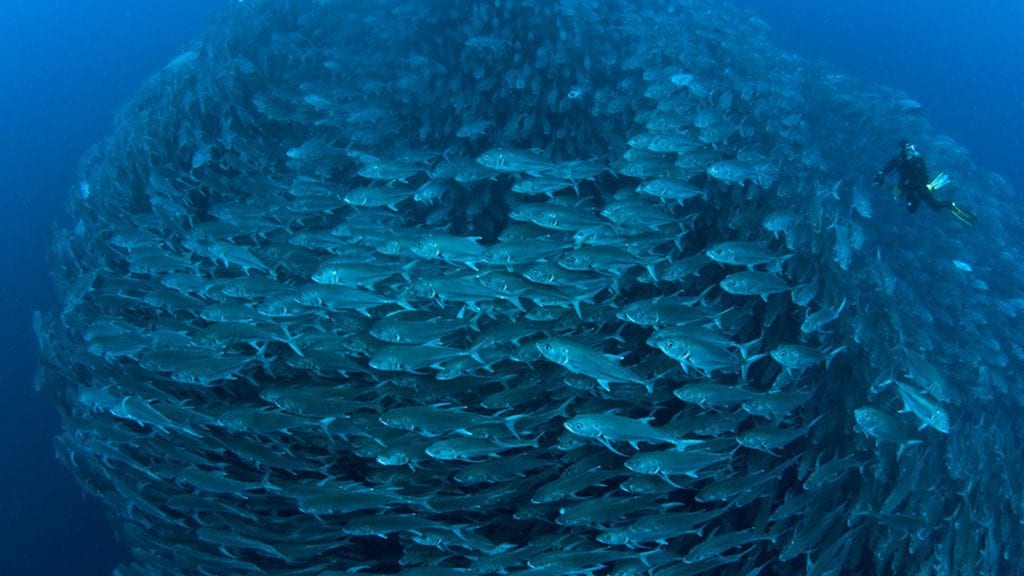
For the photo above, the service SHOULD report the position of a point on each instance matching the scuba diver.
(915, 184)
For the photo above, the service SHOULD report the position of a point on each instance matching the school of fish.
(526, 287)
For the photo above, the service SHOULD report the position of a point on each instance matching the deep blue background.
(66, 66)
(964, 61)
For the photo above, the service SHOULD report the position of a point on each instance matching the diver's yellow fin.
(896, 192)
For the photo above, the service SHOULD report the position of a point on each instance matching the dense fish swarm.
(566, 287)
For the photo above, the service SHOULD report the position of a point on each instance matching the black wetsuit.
(914, 181)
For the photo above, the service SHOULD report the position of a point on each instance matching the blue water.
(964, 61)
(66, 66)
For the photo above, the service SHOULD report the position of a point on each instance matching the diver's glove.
(879, 178)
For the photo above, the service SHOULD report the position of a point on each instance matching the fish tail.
(832, 355)
(652, 272)
(290, 341)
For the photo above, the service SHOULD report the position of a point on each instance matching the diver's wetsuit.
(914, 181)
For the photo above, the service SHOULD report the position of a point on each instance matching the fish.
(474, 129)
(776, 405)
(745, 254)
(736, 172)
(382, 526)
(682, 269)
(781, 222)
(808, 532)
(581, 359)
(602, 511)
(717, 544)
(555, 217)
(709, 395)
(753, 283)
(661, 311)
(511, 160)
(607, 428)
(449, 248)
(659, 528)
(413, 358)
(411, 328)
(830, 472)
(927, 376)
(566, 487)
(389, 171)
(674, 463)
(329, 501)
(433, 421)
(742, 489)
(770, 439)
(704, 351)
(815, 321)
(352, 274)
(928, 410)
(546, 186)
(671, 189)
(468, 449)
(378, 196)
(635, 213)
(800, 357)
(962, 266)
(881, 426)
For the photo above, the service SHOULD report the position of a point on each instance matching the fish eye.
(670, 344)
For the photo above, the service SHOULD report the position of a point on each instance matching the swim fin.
(939, 182)
(962, 214)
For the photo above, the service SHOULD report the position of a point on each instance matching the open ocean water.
(67, 67)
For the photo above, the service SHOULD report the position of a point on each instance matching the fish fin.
(682, 444)
(617, 336)
(576, 307)
(832, 354)
(510, 422)
(652, 272)
(608, 445)
(517, 303)
(668, 480)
